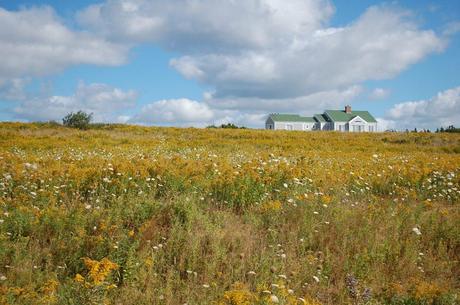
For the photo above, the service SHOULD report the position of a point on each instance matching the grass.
(138, 215)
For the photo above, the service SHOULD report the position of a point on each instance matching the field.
(136, 215)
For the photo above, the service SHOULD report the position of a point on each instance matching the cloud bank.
(441, 110)
(258, 56)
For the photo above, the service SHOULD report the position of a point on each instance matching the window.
(371, 128)
(288, 126)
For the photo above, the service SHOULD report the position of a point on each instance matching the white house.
(339, 120)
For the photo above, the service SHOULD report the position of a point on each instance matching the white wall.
(294, 126)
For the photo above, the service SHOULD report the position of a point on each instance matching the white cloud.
(441, 110)
(207, 25)
(379, 93)
(380, 44)
(182, 112)
(103, 100)
(35, 42)
(268, 49)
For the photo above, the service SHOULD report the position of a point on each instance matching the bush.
(80, 120)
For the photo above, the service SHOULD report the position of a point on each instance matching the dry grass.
(138, 215)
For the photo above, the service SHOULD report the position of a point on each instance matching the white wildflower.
(274, 299)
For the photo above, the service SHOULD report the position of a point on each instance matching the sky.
(201, 62)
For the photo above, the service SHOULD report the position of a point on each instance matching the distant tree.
(450, 129)
(226, 126)
(80, 120)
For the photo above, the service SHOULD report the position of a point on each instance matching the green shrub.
(78, 120)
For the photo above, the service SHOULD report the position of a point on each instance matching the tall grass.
(137, 215)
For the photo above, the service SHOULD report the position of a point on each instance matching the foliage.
(226, 126)
(451, 129)
(139, 215)
(80, 120)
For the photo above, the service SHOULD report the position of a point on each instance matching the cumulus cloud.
(207, 25)
(381, 44)
(176, 111)
(107, 104)
(276, 49)
(35, 42)
(441, 110)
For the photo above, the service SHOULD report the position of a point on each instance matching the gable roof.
(277, 117)
(320, 118)
(342, 116)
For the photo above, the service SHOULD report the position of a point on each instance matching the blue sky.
(165, 63)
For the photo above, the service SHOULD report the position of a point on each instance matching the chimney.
(347, 109)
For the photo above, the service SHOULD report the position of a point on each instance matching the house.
(338, 120)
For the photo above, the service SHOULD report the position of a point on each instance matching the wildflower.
(206, 286)
(267, 292)
(282, 276)
(274, 299)
(367, 294)
(316, 278)
(352, 285)
(79, 278)
(2, 278)
(285, 185)
(251, 273)
(416, 231)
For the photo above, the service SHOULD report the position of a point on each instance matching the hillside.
(143, 215)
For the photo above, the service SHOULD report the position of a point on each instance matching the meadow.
(143, 215)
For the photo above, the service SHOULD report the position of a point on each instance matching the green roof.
(276, 117)
(320, 118)
(342, 116)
